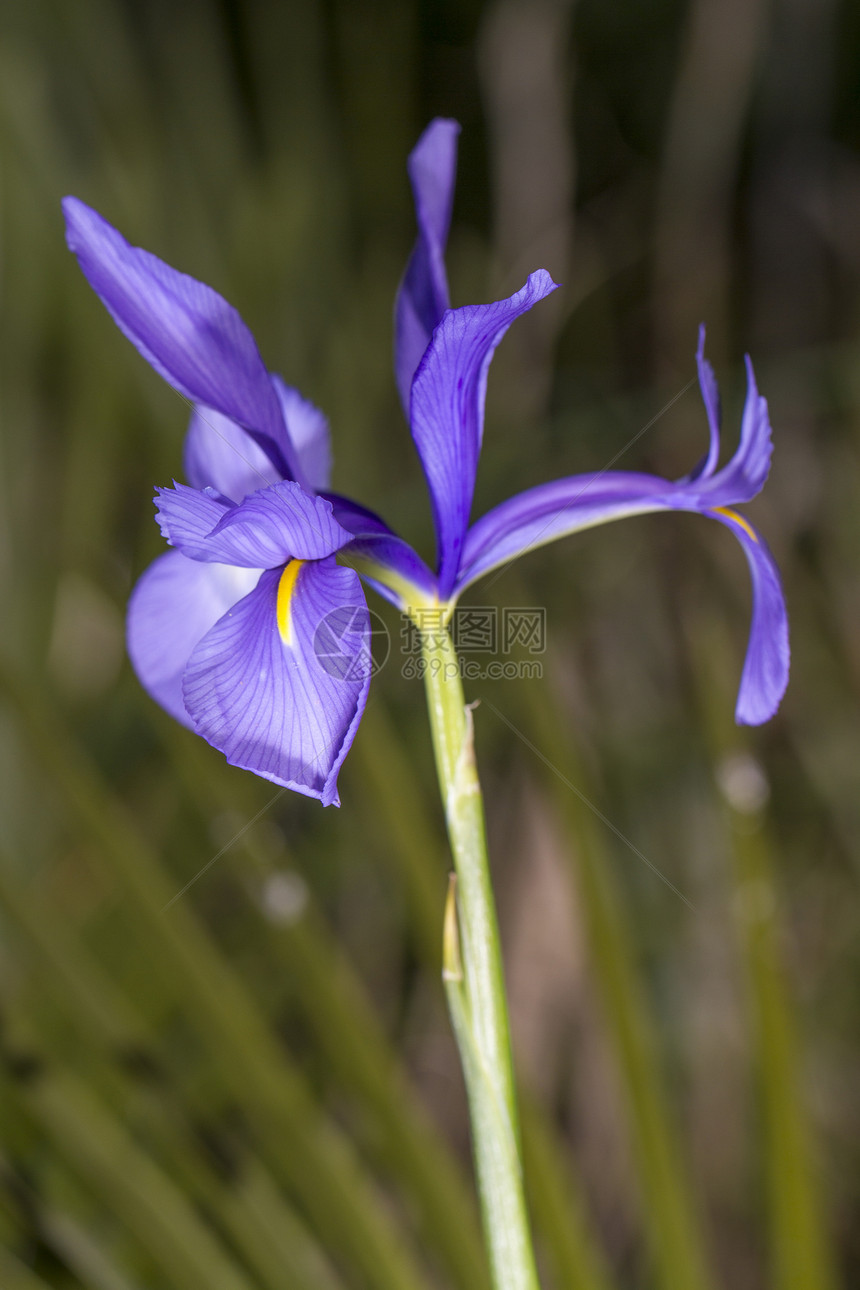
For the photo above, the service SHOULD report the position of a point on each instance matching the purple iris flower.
(249, 630)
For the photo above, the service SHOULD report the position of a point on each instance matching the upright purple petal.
(711, 399)
(219, 454)
(447, 411)
(174, 604)
(267, 529)
(423, 294)
(187, 331)
(765, 672)
(744, 476)
(280, 691)
(308, 433)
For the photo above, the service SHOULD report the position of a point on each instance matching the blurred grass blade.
(273, 1240)
(417, 852)
(347, 1029)
(554, 1192)
(668, 1213)
(801, 1250)
(71, 1242)
(315, 1156)
(802, 1258)
(15, 1275)
(129, 1185)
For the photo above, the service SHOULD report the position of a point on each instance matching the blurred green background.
(253, 1086)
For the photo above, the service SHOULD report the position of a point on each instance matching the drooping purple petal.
(402, 577)
(447, 411)
(765, 672)
(554, 510)
(567, 506)
(219, 454)
(308, 432)
(187, 331)
(423, 294)
(267, 529)
(281, 691)
(174, 604)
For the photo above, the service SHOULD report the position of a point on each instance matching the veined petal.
(744, 476)
(564, 506)
(187, 331)
(277, 524)
(270, 527)
(422, 297)
(187, 516)
(279, 689)
(174, 604)
(219, 454)
(554, 510)
(383, 559)
(447, 410)
(568, 505)
(765, 672)
(308, 433)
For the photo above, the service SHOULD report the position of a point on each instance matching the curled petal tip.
(700, 352)
(441, 127)
(543, 281)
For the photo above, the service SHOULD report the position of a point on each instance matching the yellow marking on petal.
(286, 587)
(738, 519)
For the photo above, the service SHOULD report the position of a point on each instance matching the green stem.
(474, 980)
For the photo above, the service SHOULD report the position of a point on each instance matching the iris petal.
(765, 672)
(288, 712)
(277, 524)
(567, 506)
(174, 604)
(423, 294)
(711, 399)
(402, 576)
(268, 528)
(744, 476)
(219, 454)
(184, 329)
(308, 433)
(554, 510)
(187, 516)
(447, 411)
